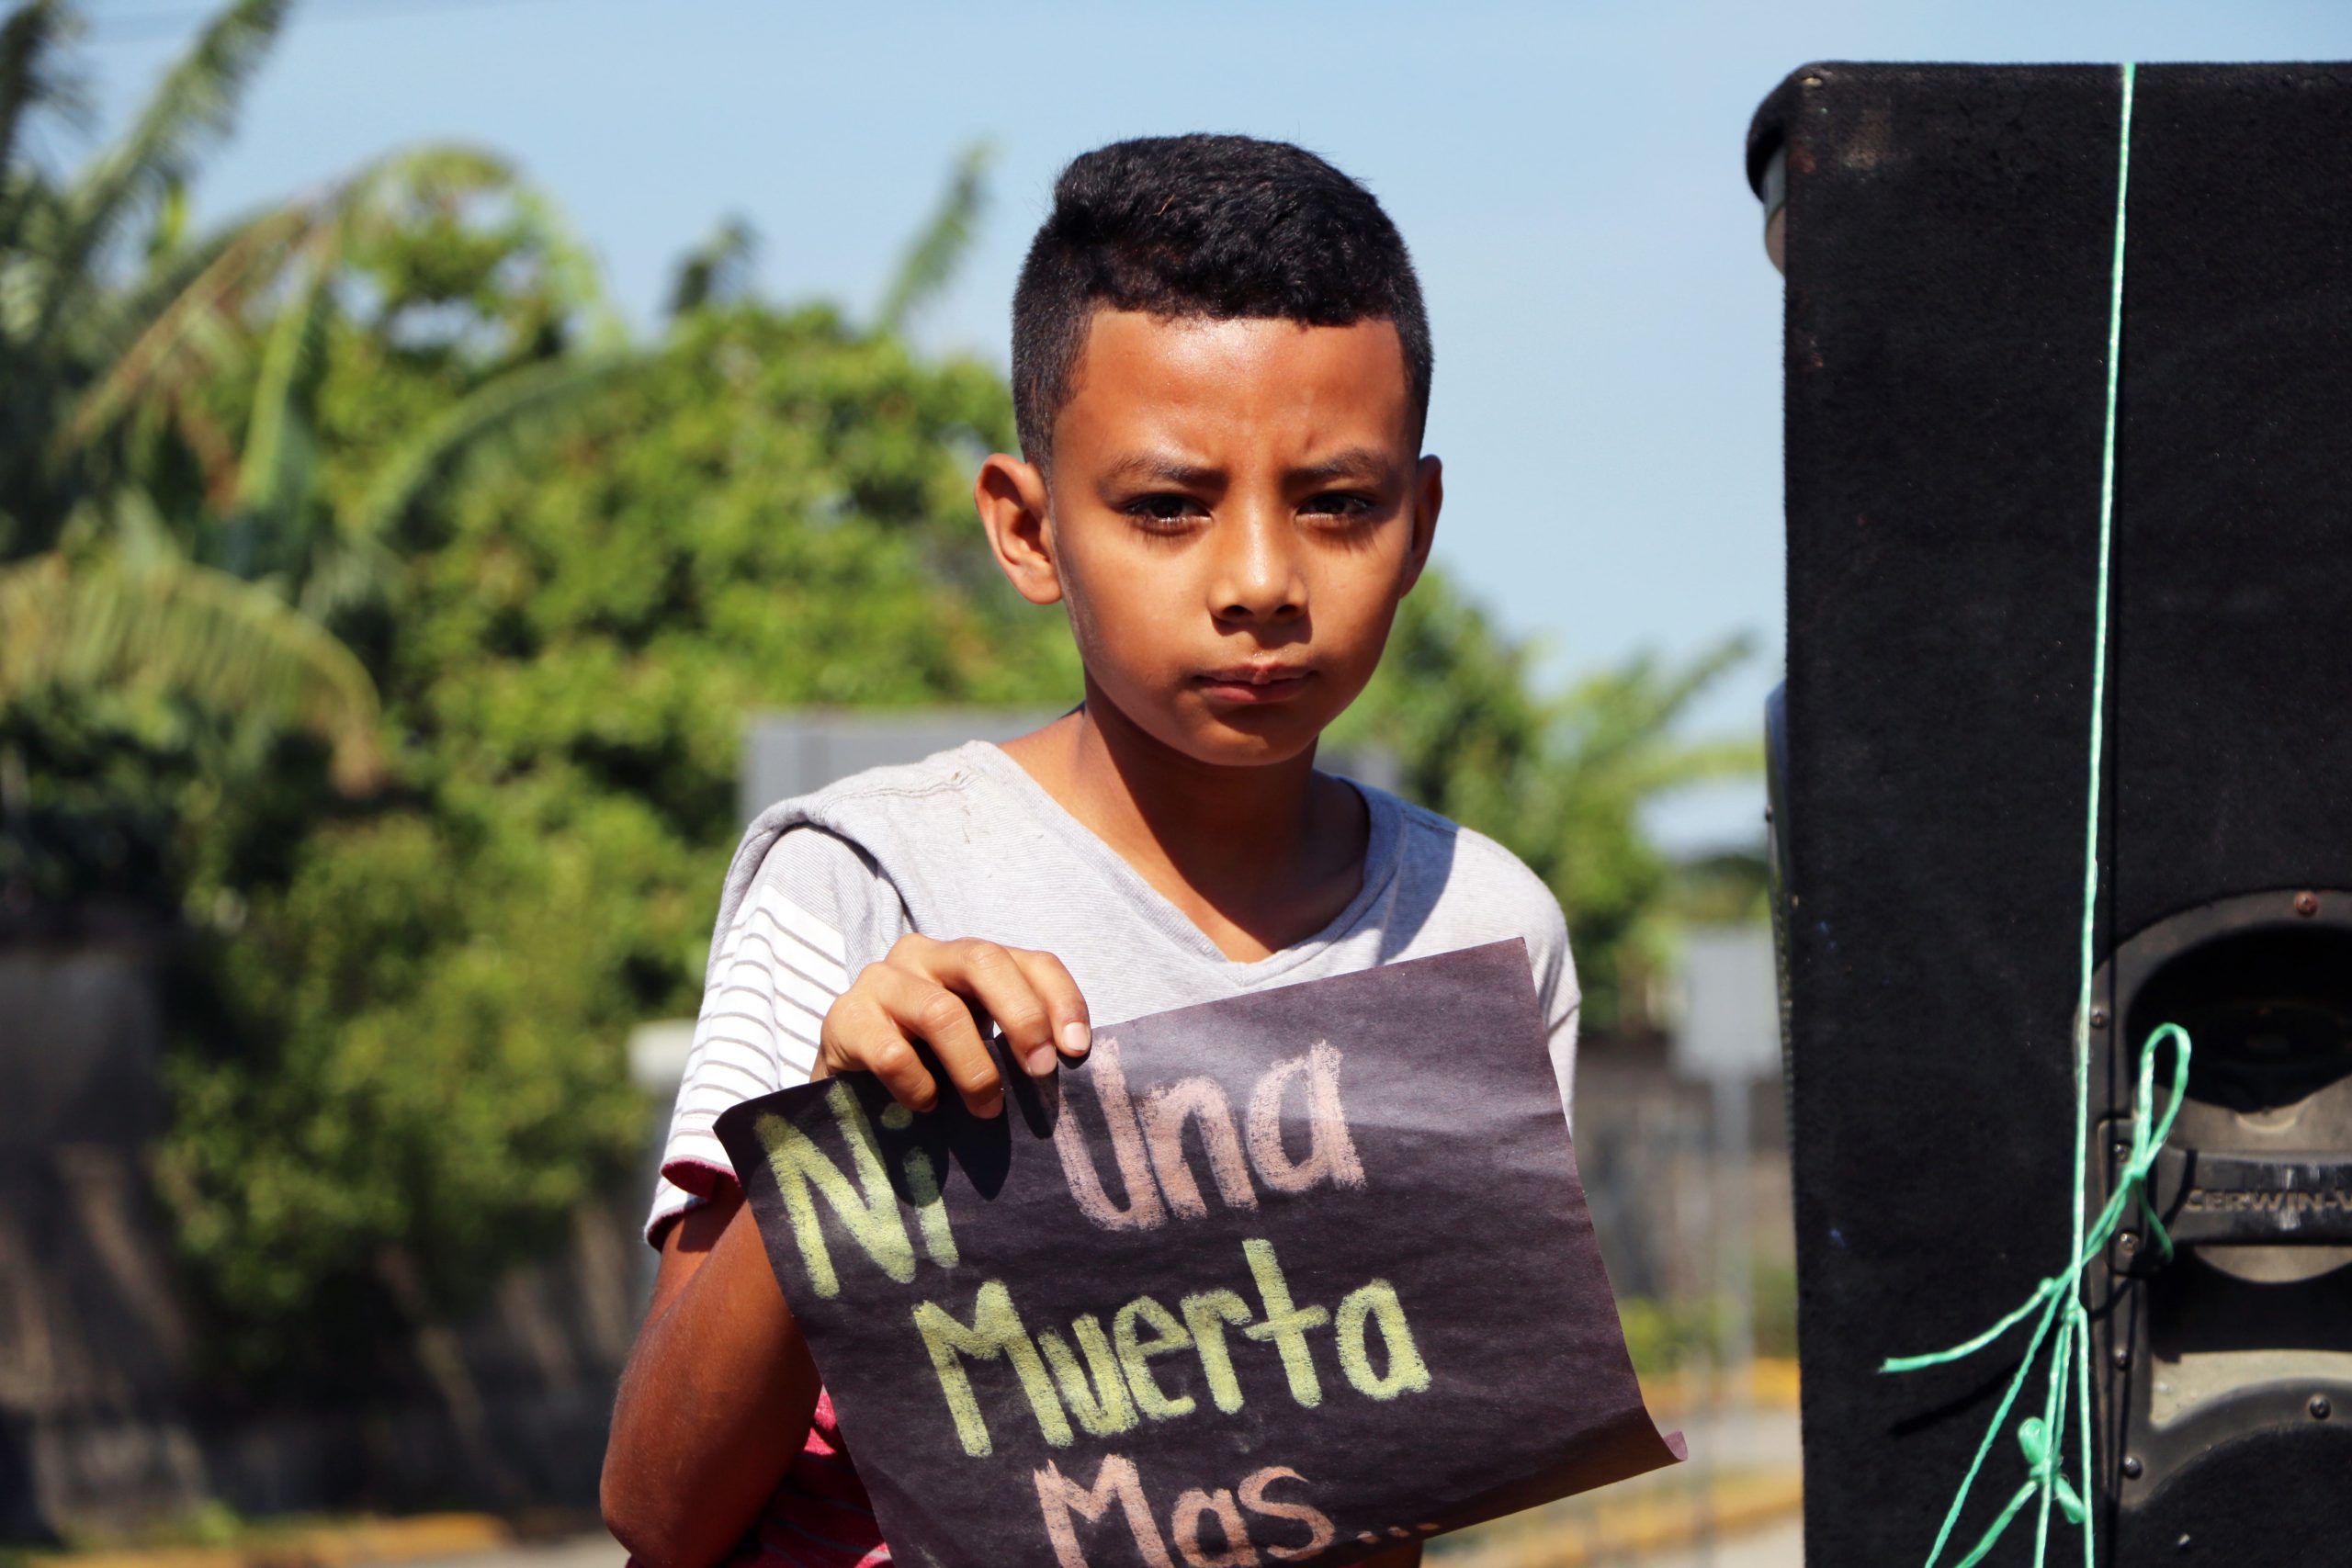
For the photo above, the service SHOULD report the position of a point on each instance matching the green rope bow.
(2043, 1437)
(2040, 1436)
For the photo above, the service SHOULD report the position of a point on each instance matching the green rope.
(2057, 1303)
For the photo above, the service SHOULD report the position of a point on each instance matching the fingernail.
(1077, 1039)
(1040, 1062)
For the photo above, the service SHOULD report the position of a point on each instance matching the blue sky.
(1569, 178)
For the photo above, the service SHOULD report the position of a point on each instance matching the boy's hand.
(935, 992)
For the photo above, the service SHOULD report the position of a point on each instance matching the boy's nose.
(1257, 575)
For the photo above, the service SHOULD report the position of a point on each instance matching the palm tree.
(93, 596)
(114, 458)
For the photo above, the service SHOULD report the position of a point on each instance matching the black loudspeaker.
(1947, 234)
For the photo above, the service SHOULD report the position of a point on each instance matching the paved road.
(1775, 1546)
(1764, 1439)
(580, 1551)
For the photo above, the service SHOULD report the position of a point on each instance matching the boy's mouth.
(1270, 682)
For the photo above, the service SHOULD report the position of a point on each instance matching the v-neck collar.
(1380, 860)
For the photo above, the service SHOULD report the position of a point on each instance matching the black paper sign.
(1284, 1279)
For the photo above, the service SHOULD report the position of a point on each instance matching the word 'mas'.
(1118, 1487)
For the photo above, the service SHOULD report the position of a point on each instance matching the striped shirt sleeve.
(817, 913)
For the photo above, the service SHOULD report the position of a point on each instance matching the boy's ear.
(1010, 495)
(1429, 496)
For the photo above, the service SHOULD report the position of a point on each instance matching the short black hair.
(1204, 226)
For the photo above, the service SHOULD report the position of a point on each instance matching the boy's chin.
(1216, 735)
(1247, 739)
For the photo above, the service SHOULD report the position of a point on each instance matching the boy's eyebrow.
(1167, 470)
(1352, 463)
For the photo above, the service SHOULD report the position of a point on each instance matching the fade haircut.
(1221, 226)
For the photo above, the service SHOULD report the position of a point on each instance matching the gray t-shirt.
(966, 843)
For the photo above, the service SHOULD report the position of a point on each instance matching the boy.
(1221, 372)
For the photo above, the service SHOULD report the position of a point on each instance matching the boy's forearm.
(713, 1407)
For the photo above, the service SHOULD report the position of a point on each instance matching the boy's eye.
(1163, 511)
(1347, 506)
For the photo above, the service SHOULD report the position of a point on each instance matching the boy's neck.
(1257, 857)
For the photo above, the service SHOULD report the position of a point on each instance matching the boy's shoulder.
(893, 786)
(843, 847)
(1465, 857)
(880, 807)
(1457, 887)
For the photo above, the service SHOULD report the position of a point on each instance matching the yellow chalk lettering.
(869, 1211)
(930, 1209)
(1207, 1315)
(995, 1332)
(1168, 1335)
(1284, 1324)
(1097, 1392)
(1408, 1373)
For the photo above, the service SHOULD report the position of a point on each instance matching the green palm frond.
(177, 316)
(1707, 761)
(169, 626)
(196, 102)
(1622, 716)
(930, 263)
(718, 271)
(227, 263)
(276, 440)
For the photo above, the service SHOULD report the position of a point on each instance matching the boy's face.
(1236, 508)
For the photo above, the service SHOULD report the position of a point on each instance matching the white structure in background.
(786, 754)
(1730, 1038)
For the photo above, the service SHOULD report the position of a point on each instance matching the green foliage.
(1667, 1336)
(411, 1066)
(169, 624)
(1664, 1335)
(774, 513)
(1776, 1310)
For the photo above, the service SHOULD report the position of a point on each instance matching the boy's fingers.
(1074, 1032)
(860, 1035)
(997, 979)
(924, 1009)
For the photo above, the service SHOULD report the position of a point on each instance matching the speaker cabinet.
(1947, 236)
